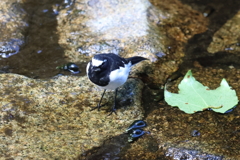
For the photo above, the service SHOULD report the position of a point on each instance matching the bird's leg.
(114, 105)
(99, 103)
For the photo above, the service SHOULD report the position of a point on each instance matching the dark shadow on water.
(221, 59)
(118, 147)
(109, 149)
(41, 53)
(196, 48)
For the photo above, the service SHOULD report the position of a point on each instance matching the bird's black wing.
(116, 61)
(136, 59)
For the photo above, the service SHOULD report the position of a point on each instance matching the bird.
(110, 71)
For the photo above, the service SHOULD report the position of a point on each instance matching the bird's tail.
(136, 59)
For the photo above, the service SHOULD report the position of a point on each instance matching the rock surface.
(227, 37)
(13, 24)
(50, 117)
(55, 121)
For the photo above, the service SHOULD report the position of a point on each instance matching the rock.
(120, 27)
(173, 128)
(154, 30)
(227, 37)
(178, 154)
(13, 24)
(53, 119)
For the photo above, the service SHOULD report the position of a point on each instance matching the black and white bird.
(110, 71)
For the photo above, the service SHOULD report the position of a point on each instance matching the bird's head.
(98, 64)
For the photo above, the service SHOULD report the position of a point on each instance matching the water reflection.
(40, 54)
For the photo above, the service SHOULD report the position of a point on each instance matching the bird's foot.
(113, 110)
(97, 107)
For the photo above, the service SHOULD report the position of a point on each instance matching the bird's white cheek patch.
(96, 62)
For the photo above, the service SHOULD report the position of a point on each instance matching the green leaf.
(194, 97)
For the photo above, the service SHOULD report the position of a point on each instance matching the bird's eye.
(103, 63)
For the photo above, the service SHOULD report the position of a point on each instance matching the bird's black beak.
(96, 69)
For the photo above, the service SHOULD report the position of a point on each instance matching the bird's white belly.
(118, 77)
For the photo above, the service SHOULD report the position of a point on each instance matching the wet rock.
(152, 29)
(208, 10)
(11, 47)
(72, 31)
(227, 37)
(104, 26)
(54, 116)
(204, 134)
(71, 67)
(136, 125)
(195, 133)
(31, 24)
(13, 24)
(135, 134)
(109, 150)
(188, 154)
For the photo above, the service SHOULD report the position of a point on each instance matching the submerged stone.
(136, 125)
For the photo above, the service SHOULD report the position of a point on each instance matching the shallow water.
(41, 54)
